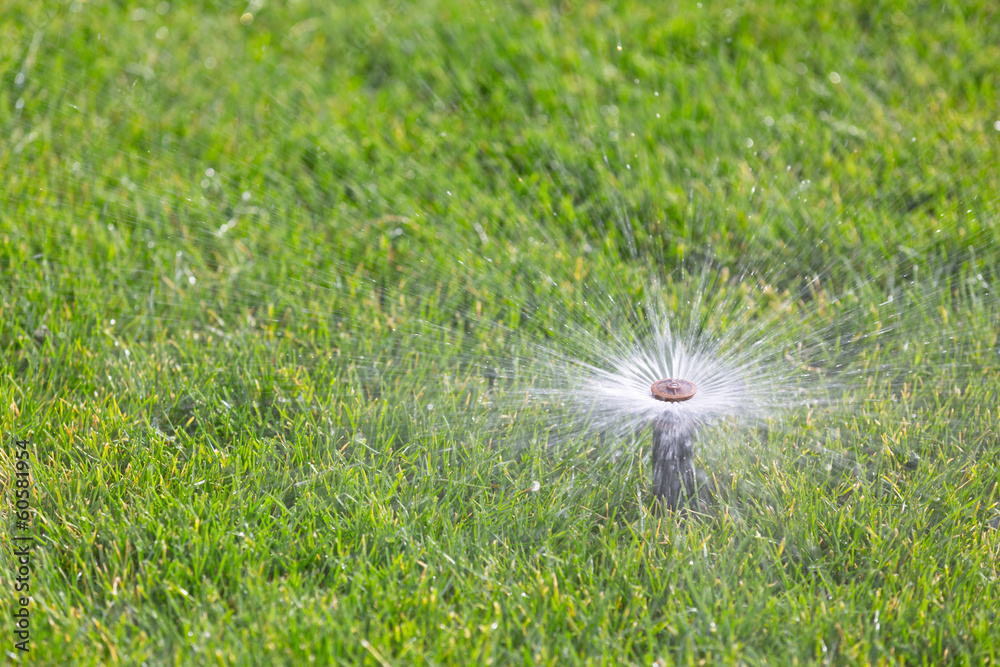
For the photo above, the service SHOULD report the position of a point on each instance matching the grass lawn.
(274, 277)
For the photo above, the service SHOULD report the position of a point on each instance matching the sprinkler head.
(673, 391)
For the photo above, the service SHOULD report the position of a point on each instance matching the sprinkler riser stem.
(674, 477)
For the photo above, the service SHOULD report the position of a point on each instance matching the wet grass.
(265, 284)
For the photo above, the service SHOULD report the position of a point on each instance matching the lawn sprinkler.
(673, 446)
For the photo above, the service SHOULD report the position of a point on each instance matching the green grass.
(234, 462)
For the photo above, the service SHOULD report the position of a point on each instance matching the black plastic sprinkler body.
(673, 447)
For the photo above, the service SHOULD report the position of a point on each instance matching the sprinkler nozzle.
(673, 391)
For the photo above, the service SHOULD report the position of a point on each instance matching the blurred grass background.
(214, 216)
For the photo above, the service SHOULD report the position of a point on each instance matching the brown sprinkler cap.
(673, 391)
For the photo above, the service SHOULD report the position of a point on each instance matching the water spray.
(673, 446)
